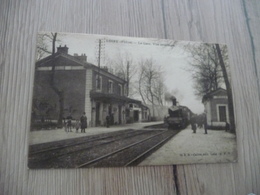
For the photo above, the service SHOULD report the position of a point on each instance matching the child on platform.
(77, 126)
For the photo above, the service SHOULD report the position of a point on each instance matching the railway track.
(40, 148)
(125, 148)
(64, 150)
(132, 154)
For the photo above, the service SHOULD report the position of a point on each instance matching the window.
(125, 89)
(110, 86)
(98, 82)
(222, 114)
(120, 89)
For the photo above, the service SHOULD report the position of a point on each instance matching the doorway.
(136, 116)
(120, 114)
(98, 114)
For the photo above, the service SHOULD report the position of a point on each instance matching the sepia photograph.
(112, 101)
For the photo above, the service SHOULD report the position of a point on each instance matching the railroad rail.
(126, 148)
(135, 159)
(60, 144)
(48, 154)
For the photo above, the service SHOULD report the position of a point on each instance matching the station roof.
(64, 59)
(110, 98)
(219, 91)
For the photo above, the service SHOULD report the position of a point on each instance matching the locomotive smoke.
(175, 94)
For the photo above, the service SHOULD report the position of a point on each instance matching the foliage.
(205, 67)
(44, 40)
(42, 107)
(151, 85)
(210, 71)
(125, 68)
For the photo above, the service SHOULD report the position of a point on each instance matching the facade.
(216, 108)
(85, 87)
(157, 112)
(137, 112)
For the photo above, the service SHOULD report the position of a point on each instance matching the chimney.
(62, 49)
(82, 57)
(105, 68)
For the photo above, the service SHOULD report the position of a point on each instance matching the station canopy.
(111, 98)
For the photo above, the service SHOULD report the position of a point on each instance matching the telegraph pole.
(99, 52)
(127, 78)
(99, 56)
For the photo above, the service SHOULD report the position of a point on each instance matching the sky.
(174, 59)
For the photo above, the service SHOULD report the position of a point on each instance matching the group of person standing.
(109, 120)
(198, 123)
(82, 123)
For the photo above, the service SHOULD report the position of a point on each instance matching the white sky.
(174, 60)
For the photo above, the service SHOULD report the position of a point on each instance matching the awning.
(111, 98)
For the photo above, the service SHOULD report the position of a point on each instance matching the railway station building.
(85, 88)
(216, 108)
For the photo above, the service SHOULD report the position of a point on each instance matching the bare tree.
(159, 89)
(42, 50)
(210, 71)
(205, 68)
(44, 40)
(42, 47)
(228, 86)
(124, 68)
(151, 83)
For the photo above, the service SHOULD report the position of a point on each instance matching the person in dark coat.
(108, 121)
(69, 123)
(112, 119)
(77, 126)
(200, 122)
(227, 126)
(194, 127)
(205, 125)
(193, 124)
(83, 122)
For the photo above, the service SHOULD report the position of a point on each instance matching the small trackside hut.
(216, 108)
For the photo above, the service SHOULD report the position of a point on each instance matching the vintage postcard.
(110, 101)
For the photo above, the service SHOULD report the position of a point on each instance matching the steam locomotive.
(179, 116)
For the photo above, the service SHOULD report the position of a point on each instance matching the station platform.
(44, 136)
(187, 147)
